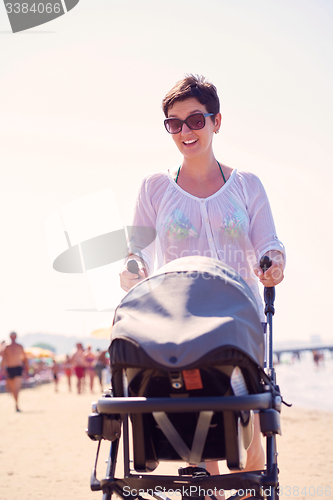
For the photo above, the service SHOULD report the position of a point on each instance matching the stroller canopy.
(190, 307)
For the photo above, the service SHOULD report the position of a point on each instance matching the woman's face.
(194, 143)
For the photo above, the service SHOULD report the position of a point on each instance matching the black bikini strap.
(218, 165)
(221, 172)
(178, 174)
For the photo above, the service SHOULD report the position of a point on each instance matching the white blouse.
(234, 225)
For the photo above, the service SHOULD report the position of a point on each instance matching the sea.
(303, 383)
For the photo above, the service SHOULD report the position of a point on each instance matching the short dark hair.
(193, 86)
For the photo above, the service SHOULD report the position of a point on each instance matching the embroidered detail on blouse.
(233, 224)
(179, 227)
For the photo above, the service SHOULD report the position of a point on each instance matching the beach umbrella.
(102, 333)
(38, 352)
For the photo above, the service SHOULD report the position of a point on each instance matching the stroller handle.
(269, 292)
(269, 297)
(132, 267)
(265, 263)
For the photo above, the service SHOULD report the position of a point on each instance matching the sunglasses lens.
(196, 122)
(173, 125)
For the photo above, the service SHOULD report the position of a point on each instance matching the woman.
(204, 207)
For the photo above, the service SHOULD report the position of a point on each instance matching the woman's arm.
(262, 232)
(141, 235)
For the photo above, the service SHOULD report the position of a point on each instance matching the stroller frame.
(111, 412)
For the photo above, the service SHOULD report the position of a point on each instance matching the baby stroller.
(187, 357)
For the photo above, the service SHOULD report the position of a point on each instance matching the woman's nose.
(186, 129)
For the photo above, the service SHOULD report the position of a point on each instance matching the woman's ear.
(218, 121)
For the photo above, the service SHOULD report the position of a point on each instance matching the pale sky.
(81, 112)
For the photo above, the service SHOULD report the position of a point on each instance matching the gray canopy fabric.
(190, 307)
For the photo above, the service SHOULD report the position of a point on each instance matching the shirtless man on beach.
(14, 361)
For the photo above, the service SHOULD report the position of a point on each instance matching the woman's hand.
(128, 279)
(274, 275)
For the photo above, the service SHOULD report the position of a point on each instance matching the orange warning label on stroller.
(192, 379)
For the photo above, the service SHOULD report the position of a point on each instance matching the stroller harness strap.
(194, 455)
(200, 435)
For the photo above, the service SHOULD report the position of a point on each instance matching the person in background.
(15, 362)
(78, 362)
(68, 372)
(55, 370)
(101, 364)
(90, 360)
(318, 357)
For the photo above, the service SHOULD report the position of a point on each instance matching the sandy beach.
(45, 453)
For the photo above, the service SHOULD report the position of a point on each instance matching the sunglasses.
(194, 122)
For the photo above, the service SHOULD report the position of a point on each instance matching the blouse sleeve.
(262, 231)
(142, 233)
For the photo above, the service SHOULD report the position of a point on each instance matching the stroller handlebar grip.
(269, 293)
(132, 267)
(265, 263)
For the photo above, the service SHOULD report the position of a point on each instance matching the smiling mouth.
(190, 142)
